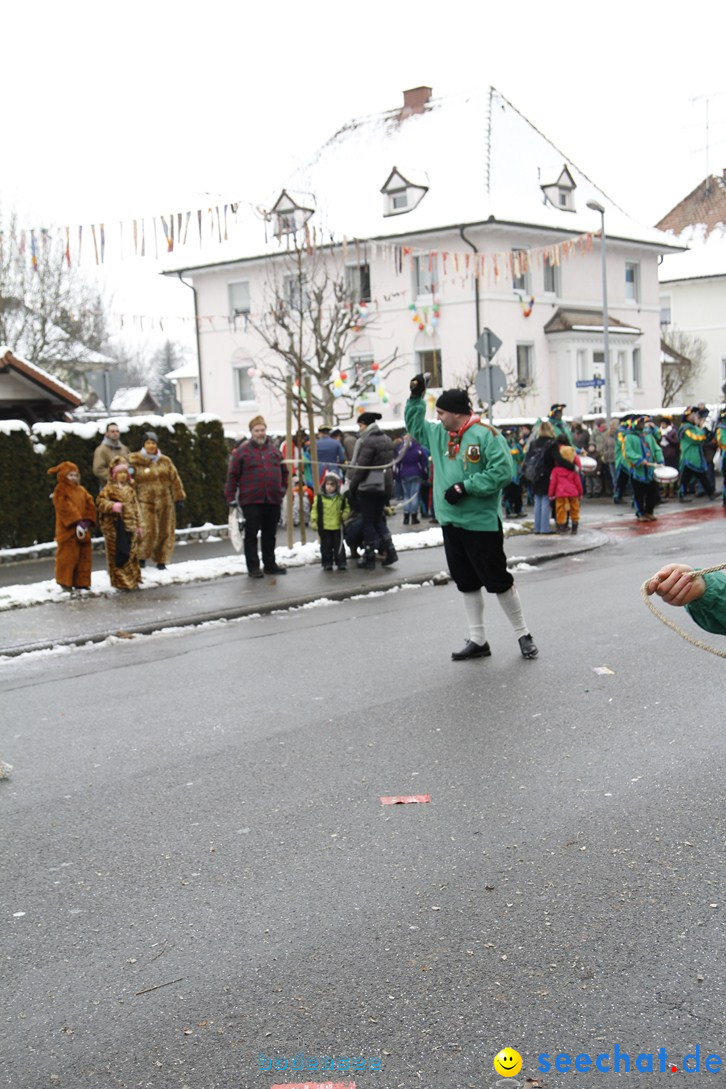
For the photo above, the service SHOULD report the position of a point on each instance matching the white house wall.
(500, 309)
(698, 307)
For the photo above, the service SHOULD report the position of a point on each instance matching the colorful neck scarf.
(456, 436)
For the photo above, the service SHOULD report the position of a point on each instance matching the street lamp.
(603, 249)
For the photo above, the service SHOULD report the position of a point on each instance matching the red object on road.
(404, 799)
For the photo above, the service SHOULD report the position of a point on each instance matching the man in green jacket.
(693, 462)
(472, 464)
(703, 596)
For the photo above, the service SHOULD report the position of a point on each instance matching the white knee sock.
(512, 606)
(474, 609)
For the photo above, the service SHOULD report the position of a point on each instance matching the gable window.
(525, 364)
(561, 193)
(239, 298)
(551, 278)
(289, 216)
(428, 361)
(425, 270)
(400, 194)
(520, 270)
(632, 281)
(358, 282)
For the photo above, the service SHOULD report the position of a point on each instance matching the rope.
(674, 627)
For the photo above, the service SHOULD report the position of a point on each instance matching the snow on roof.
(187, 370)
(45, 376)
(482, 159)
(128, 398)
(706, 255)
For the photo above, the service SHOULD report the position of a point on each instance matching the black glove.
(179, 508)
(417, 387)
(455, 493)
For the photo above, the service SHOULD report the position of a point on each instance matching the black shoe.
(415, 520)
(142, 563)
(406, 519)
(471, 650)
(161, 567)
(527, 647)
(327, 567)
(342, 566)
(367, 561)
(276, 570)
(255, 573)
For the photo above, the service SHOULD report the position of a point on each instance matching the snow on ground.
(39, 593)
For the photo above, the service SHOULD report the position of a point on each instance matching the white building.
(449, 216)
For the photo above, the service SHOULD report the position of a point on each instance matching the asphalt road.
(197, 869)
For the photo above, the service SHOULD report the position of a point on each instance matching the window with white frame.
(239, 298)
(243, 388)
(520, 270)
(525, 364)
(428, 361)
(598, 365)
(358, 282)
(294, 292)
(632, 281)
(551, 278)
(425, 269)
(637, 369)
(362, 377)
(665, 309)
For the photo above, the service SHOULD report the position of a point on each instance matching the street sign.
(487, 344)
(584, 383)
(498, 386)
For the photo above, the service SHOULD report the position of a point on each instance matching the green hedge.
(26, 513)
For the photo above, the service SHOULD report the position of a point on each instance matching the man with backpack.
(538, 465)
(472, 464)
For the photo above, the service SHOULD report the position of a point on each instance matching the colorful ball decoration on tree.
(375, 366)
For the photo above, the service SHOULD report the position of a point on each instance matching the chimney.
(414, 101)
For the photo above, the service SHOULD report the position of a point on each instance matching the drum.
(665, 474)
(588, 465)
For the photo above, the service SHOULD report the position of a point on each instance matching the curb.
(438, 578)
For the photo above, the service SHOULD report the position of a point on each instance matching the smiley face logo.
(508, 1062)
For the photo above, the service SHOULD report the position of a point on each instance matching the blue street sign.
(584, 383)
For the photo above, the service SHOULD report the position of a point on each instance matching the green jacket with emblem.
(483, 463)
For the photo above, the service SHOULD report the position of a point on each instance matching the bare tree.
(684, 362)
(49, 313)
(312, 320)
(517, 389)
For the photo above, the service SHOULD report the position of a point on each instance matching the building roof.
(581, 321)
(477, 158)
(705, 257)
(132, 398)
(38, 378)
(187, 370)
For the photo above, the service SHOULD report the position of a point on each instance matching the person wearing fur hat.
(75, 514)
(119, 519)
(370, 486)
(327, 514)
(472, 465)
(160, 495)
(256, 482)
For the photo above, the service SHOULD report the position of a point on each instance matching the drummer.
(641, 454)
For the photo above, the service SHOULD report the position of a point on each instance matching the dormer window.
(400, 194)
(561, 193)
(288, 215)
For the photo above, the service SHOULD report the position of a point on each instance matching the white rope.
(674, 627)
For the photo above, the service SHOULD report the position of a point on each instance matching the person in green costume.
(704, 597)
(640, 457)
(472, 465)
(693, 463)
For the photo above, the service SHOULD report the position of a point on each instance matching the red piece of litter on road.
(315, 1085)
(404, 799)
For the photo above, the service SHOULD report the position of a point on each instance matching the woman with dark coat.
(370, 487)
(542, 451)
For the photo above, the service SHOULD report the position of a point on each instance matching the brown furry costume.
(73, 504)
(158, 488)
(123, 575)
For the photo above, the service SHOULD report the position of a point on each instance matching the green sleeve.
(416, 423)
(709, 612)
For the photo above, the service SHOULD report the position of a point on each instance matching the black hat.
(556, 408)
(369, 417)
(456, 401)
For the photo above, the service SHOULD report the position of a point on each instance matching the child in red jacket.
(566, 485)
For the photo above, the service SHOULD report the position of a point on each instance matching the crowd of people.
(551, 467)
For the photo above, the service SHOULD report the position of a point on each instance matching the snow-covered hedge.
(26, 515)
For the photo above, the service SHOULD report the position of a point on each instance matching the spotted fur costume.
(126, 576)
(158, 488)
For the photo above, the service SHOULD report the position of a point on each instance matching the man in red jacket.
(257, 482)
